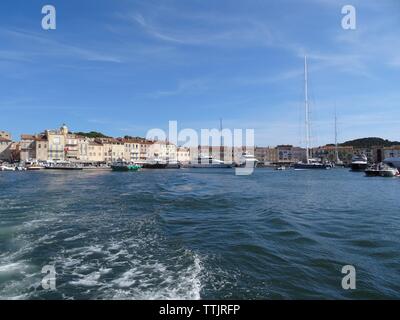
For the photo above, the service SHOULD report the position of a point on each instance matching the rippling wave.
(193, 234)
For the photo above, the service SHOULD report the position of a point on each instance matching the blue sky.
(125, 66)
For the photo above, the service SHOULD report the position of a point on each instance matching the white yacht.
(359, 162)
(6, 168)
(393, 162)
(248, 160)
(204, 161)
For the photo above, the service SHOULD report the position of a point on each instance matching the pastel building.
(5, 149)
(5, 135)
(162, 150)
(132, 149)
(57, 144)
(183, 155)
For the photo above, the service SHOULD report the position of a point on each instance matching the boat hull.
(372, 173)
(64, 168)
(173, 166)
(209, 166)
(34, 168)
(310, 166)
(155, 166)
(125, 168)
(359, 166)
(389, 173)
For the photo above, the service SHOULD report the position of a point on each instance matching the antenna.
(307, 110)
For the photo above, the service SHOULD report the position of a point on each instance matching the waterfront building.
(391, 152)
(288, 154)
(113, 149)
(28, 147)
(83, 148)
(41, 148)
(266, 155)
(144, 149)
(57, 144)
(163, 150)
(5, 135)
(15, 151)
(183, 155)
(95, 152)
(132, 149)
(71, 147)
(5, 149)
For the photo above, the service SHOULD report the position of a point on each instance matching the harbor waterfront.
(198, 234)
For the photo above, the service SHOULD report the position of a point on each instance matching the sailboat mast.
(307, 118)
(221, 142)
(336, 143)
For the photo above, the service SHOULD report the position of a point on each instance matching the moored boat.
(312, 164)
(124, 166)
(309, 163)
(381, 170)
(62, 166)
(393, 162)
(173, 165)
(208, 162)
(248, 160)
(155, 163)
(6, 168)
(359, 162)
(372, 171)
(34, 168)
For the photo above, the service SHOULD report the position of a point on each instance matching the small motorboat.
(173, 165)
(122, 165)
(280, 168)
(359, 162)
(247, 160)
(381, 170)
(389, 172)
(34, 167)
(6, 168)
(372, 171)
(63, 165)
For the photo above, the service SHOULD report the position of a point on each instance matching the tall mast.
(307, 116)
(221, 148)
(336, 143)
(220, 132)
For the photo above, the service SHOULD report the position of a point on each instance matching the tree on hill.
(92, 134)
(134, 138)
(369, 142)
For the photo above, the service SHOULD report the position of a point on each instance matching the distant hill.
(134, 138)
(369, 142)
(92, 134)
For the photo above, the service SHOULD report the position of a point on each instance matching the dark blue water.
(207, 234)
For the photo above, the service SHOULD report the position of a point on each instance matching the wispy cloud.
(35, 44)
(213, 31)
(192, 86)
